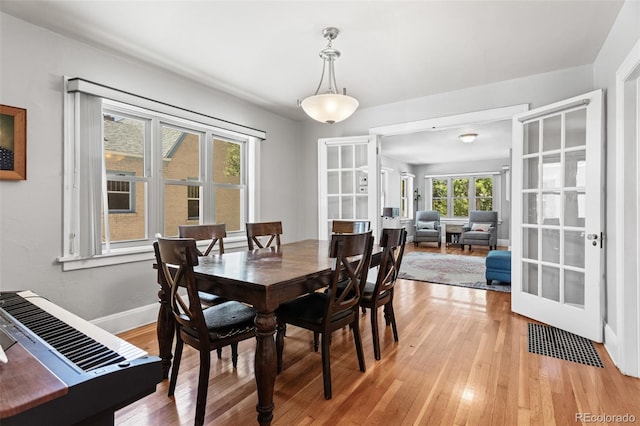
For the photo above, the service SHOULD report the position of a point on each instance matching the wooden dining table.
(263, 278)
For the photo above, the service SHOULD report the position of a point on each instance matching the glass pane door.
(346, 188)
(557, 254)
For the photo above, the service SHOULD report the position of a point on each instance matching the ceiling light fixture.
(468, 137)
(330, 106)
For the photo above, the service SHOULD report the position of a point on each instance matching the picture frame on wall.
(13, 143)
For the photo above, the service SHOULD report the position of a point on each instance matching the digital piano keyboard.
(63, 370)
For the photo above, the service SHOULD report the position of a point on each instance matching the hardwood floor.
(462, 359)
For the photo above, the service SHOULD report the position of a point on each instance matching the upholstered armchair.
(427, 228)
(482, 230)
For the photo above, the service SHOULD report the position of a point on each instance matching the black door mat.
(551, 341)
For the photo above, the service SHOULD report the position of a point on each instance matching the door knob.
(592, 237)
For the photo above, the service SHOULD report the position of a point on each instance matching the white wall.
(32, 65)
(395, 177)
(623, 36)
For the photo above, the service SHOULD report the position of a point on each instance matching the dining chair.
(272, 230)
(345, 227)
(379, 291)
(214, 232)
(329, 311)
(350, 226)
(203, 329)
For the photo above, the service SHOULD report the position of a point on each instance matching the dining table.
(263, 278)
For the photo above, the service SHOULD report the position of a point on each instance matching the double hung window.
(406, 196)
(134, 173)
(456, 196)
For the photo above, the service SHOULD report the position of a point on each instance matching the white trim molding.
(628, 278)
(127, 320)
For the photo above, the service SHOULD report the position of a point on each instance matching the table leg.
(265, 365)
(165, 330)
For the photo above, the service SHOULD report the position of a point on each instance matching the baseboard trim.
(127, 320)
(611, 344)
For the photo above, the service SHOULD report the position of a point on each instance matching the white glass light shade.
(329, 107)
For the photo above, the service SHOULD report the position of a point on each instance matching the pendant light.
(329, 106)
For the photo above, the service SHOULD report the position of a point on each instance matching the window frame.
(75, 234)
(407, 196)
(471, 196)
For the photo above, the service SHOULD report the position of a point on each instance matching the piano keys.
(94, 373)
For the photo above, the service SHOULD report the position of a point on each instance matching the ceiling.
(267, 51)
(444, 146)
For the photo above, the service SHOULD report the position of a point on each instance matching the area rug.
(451, 269)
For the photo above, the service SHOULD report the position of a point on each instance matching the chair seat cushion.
(309, 308)
(367, 294)
(427, 233)
(477, 235)
(226, 320)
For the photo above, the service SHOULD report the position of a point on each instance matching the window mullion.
(155, 179)
(207, 197)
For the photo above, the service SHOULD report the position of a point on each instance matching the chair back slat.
(350, 226)
(392, 241)
(181, 255)
(349, 272)
(214, 232)
(273, 230)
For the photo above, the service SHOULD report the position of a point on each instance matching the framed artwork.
(13, 143)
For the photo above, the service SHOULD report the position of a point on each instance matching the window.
(384, 189)
(406, 195)
(460, 196)
(120, 194)
(193, 202)
(440, 198)
(135, 172)
(455, 196)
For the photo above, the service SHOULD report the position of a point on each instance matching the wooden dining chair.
(350, 226)
(329, 311)
(203, 329)
(271, 230)
(346, 227)
(214, 232)
(379, 291)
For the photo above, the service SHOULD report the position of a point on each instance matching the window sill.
(134, 254)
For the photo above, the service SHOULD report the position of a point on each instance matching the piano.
(63, 370)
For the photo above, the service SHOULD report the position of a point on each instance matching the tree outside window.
(460, 197)
(456, 196)
(484, 194)
(440, 202)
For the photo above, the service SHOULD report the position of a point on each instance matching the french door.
(557, 215)
(348, 181)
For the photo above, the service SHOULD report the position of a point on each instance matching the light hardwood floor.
(462, 359)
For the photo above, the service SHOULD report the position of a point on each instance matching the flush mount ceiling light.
(329, 106)
(468, 137)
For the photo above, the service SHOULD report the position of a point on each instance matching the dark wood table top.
(266, 277)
